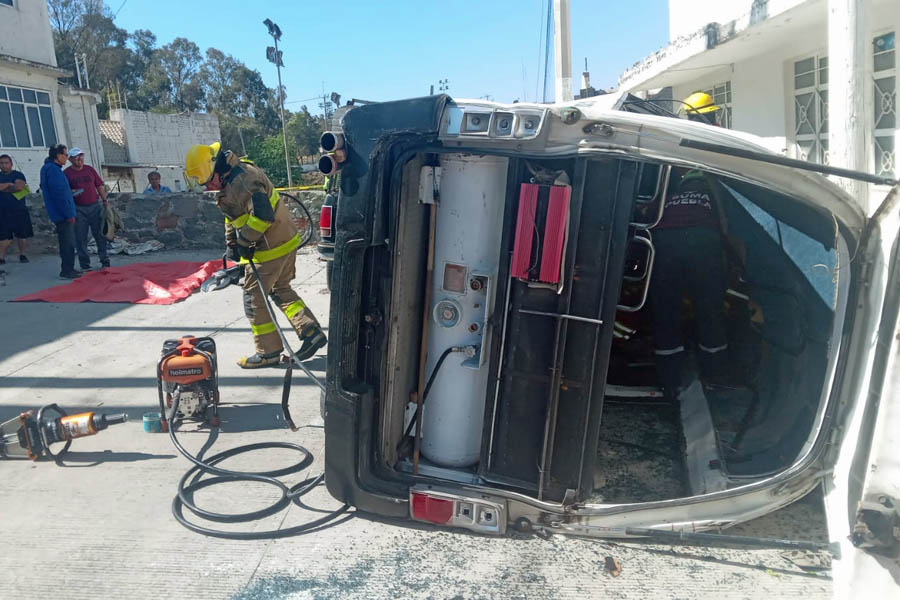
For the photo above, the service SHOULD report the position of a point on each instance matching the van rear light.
(434, 510)
(325, 222)
(480, 514)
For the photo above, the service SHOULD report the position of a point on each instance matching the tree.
(173, 78)
(86, 28)
(268, 154)
(305, 131)
(180, 60)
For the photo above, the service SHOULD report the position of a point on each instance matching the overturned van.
(492, 359)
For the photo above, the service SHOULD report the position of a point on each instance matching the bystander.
(60, 208)
(14, 218)
(88, 190)
(155, 188)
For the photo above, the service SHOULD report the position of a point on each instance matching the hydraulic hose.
(308, 230)
(288, 494)
(437, 367)
(293, 494)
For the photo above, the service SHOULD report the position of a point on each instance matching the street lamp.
(273, 55)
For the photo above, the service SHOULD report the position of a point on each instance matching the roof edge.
(701, 40)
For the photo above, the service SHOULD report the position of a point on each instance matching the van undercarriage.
(506, 361)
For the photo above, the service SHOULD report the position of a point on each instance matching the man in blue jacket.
(60, 207)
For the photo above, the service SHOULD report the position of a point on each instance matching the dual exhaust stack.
(332, 144)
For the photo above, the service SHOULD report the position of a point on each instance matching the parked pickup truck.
(491, 363)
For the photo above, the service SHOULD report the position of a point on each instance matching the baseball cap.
(73, 152)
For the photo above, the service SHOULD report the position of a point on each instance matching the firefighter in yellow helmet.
(258, 227)
(701, 107)
(689, 258)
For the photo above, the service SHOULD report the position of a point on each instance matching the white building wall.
(762, 82)
(25, 31)
(81, 124)
(30, 160)
(159, 139)
(688, 16)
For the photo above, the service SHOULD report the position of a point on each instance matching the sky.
(389, 49)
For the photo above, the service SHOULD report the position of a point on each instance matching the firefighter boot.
(313, 338)
(258, 361)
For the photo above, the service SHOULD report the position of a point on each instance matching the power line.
(304, 100)
(120, 8)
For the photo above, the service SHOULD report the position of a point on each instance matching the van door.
(543, 417)
(863, 495)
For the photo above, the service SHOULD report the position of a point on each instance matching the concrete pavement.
(101, 527)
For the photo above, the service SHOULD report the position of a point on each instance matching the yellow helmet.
(199, 163)
(700, 103)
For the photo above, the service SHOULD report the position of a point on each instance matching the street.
(101, 525)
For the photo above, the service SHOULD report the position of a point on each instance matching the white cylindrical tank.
(466, 260)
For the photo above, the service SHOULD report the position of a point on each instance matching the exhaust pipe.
(331, 141)
(329, 164)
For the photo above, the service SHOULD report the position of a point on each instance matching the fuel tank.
(466, 260)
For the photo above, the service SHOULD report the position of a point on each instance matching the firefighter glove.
(246, 251)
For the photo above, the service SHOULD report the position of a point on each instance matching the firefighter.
(258, 227)
(690, 257)
(701, 107)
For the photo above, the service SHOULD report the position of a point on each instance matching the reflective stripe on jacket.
(273, 233)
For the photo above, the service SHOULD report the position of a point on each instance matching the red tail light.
(428, 508)
(325, 222)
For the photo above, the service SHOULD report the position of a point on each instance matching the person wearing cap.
(88, 191)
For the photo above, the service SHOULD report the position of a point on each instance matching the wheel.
(329, 267)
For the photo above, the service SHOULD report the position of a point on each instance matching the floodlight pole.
(287, 159)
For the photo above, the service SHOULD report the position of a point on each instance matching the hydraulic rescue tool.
(30, 435)
(188, 371)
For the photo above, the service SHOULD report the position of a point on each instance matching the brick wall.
(160, 139)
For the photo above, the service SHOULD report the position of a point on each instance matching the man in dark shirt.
(14, 218)
(88, 190)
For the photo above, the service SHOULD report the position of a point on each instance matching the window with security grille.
(884, 73)
(811, 108)
(26, 118)
(721, 94)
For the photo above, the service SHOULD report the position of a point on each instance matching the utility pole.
(87, 81)
(562, 46)
(849, 83)
(274, 56)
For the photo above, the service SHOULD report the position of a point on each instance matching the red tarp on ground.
(138, 283)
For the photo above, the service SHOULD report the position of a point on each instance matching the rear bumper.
(326, 251)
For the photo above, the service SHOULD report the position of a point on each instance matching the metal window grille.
(884, 70)
(811, 108)
(721, 94)
(26, 118)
